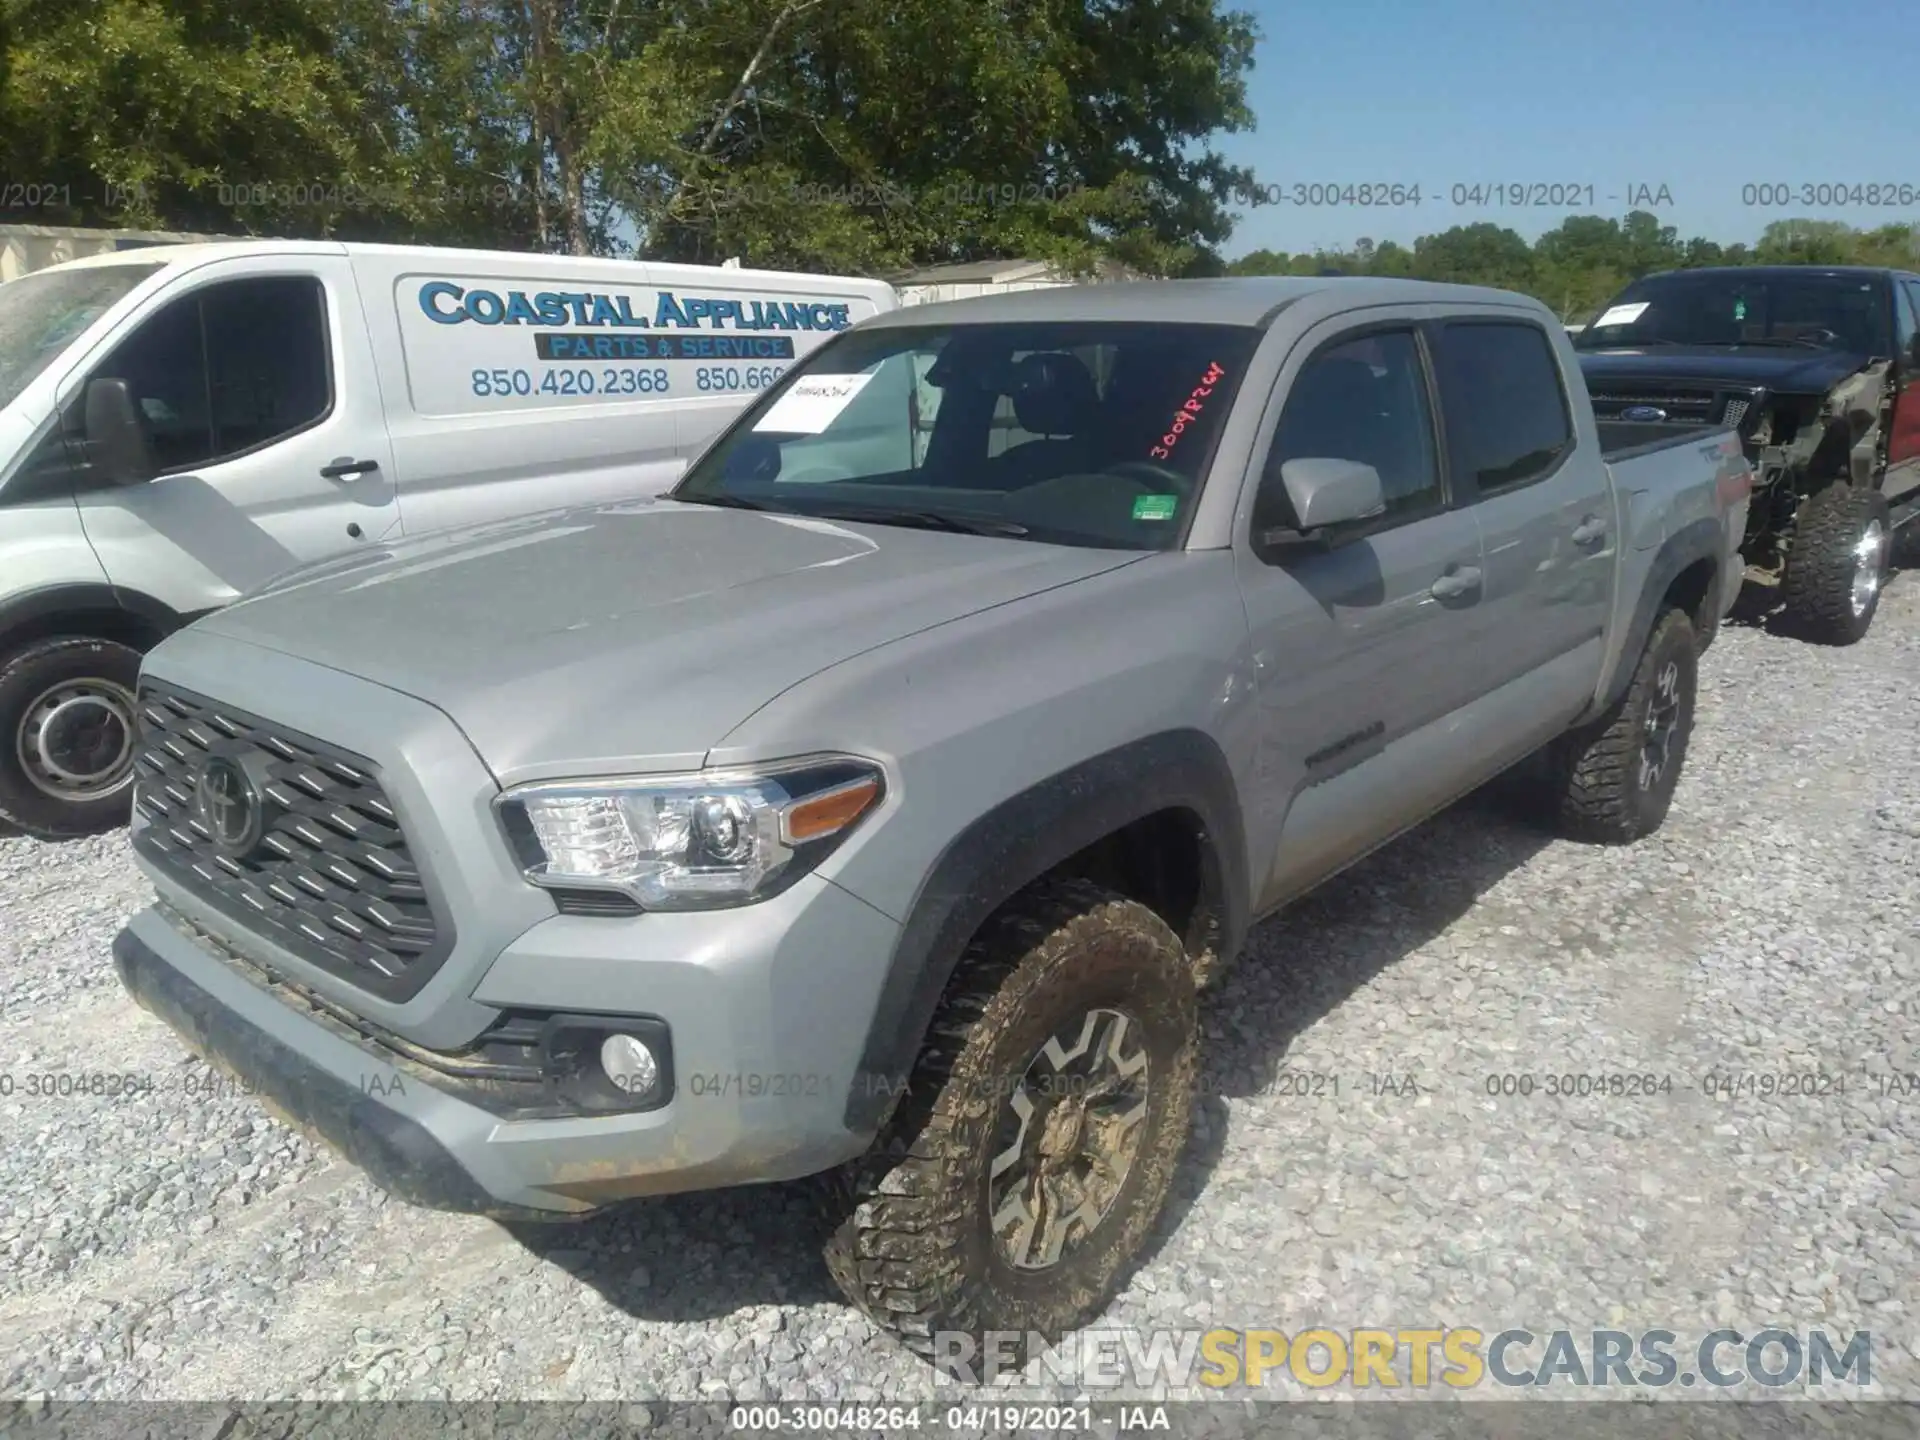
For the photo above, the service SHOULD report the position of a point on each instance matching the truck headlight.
(690, 842)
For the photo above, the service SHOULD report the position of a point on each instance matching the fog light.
(629, 1064)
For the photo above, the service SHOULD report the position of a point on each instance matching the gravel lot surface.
(180, 1244)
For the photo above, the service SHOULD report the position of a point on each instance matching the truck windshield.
(1824, 312)
(1072, 433)
(41, 314)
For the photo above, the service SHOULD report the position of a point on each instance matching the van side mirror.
(1323, 494)
(117, 448)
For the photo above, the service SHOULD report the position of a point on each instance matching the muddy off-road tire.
(1842, 540)
(1614, 777)
(1033, 1150)
(67, 736)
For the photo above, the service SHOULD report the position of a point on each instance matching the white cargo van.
(179, 425)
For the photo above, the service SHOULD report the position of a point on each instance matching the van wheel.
(1841, 544)
(67, 736)
(1614, 778)
(1036, 1143)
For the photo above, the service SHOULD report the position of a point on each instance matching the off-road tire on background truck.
(84, 689)
(1842, 541)
(1028, 1020)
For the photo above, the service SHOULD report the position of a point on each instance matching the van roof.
(200, 252)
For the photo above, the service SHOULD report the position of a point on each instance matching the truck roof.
(1242, 300)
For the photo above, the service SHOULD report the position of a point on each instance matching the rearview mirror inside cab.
(1314, 497)
(753, 459)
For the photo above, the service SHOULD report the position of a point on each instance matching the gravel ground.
(180, 1244)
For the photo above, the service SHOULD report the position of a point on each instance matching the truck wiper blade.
(1806, 340)
(925, 520)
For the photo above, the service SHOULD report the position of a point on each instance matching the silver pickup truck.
(875, 804)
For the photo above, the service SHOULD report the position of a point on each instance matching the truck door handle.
(1455, 583)
(1590, 532)
(345, 468)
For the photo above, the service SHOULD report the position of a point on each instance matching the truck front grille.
(1679, 404)
(308, 854)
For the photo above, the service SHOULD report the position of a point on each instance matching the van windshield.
(1076, 433)
(41, 314)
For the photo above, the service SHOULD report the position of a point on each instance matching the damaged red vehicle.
(1819, 369)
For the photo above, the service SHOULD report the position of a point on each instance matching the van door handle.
(345, 468)
(1455, 583)
(1590, 532)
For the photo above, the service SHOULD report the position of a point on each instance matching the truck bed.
(1630, 439)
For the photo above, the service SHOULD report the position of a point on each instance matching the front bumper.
(754, 1099)
(397, 1151)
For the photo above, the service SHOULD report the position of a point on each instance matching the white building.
(26, 248)
(993, 277)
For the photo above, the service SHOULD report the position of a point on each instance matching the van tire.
(1833, 585)
(1606, 786)
(913, 1242)
(84, 689)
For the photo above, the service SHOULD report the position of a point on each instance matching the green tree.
(1477, 254)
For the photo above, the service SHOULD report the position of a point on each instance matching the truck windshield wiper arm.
(925, 520)
(729, 502)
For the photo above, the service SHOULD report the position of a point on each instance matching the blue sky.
(1702, 97)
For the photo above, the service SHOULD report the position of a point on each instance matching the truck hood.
(1775, 367)
(633, 635)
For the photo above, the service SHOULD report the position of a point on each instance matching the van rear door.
(255, 382)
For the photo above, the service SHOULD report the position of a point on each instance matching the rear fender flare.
(1702, 540)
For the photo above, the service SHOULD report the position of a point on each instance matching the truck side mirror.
(117, 447)
(1321, 495)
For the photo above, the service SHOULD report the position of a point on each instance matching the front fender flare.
(1021, 839)
(42, 610)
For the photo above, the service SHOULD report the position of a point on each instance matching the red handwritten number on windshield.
(1187, 413)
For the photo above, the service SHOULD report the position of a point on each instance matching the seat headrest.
(1054, 394)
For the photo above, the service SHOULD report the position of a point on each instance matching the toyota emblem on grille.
(229, 805)
(1643, 412)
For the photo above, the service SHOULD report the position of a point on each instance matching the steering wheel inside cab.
(1055, 398)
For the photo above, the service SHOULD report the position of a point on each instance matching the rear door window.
(1502, 403)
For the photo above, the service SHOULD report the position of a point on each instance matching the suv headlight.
(690, 842)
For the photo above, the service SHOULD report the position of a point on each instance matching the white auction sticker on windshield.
(1623, 314)
(811, 404)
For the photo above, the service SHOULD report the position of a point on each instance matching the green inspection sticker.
(1739, 309)
(1155, 507)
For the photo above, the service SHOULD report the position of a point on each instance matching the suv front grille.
(328, 873)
